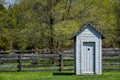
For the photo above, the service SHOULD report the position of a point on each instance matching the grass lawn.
(56, 76)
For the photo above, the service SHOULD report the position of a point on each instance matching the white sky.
(7, 3)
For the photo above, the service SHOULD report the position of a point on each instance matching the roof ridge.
(80, 30)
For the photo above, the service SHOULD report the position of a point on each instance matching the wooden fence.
(53, 62)
(111, 59)
(36, 62)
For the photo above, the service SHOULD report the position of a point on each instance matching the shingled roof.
(78, 32)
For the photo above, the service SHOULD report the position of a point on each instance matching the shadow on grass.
(59, 74)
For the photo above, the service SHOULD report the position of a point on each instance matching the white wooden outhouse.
(88, 50)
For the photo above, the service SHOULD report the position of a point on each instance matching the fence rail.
(35, 62)
(53, 62)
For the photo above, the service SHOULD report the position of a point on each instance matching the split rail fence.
(57, 62)
(111, 59)
(36, 62)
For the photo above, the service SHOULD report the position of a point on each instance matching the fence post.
(19, 62)
(61, 62)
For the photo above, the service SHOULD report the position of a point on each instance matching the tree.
(49, 23)
(43, 15)
(7, 24)
(54, 16)
(117, 27)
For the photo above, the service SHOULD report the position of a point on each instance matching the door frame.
(94, 62)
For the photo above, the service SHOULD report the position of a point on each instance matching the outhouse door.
(88, 57)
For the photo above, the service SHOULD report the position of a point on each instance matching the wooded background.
(40, 24)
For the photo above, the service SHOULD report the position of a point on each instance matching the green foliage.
(117, 28)
(37, 24)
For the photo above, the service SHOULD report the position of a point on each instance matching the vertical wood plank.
(19, 63)
(61, 62)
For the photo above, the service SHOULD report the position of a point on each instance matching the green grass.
(57, 76)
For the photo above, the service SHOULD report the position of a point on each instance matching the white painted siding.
(77, 56)
(88, 35)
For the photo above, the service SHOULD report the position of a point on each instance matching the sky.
(8, 3)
